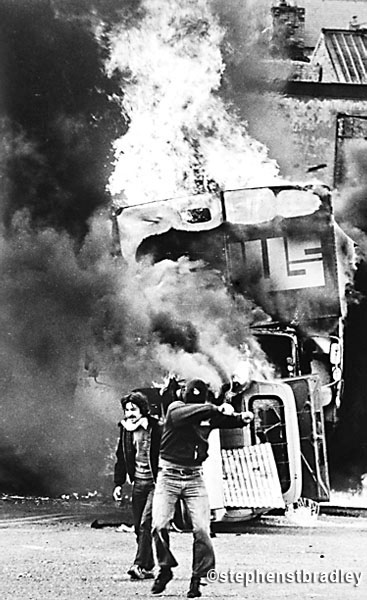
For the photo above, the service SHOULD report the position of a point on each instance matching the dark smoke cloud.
(57, 123)
(348, 449)
(178, 334)
(47, 298)
(56, 114)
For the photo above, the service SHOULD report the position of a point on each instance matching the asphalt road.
(50, 551)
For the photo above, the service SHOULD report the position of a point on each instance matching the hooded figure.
(184, 447)
(196, 392)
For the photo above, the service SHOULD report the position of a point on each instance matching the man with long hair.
(137, 457)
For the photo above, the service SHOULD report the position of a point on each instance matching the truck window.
(280, 351)
(269, 426)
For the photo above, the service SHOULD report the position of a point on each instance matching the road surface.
(48, 550)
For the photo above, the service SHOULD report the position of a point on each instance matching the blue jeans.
(142, 497)
(171, 486)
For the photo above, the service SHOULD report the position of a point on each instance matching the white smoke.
(188, 293)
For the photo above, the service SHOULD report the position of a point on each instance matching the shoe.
(148, 574)
(163, 577)
(136, 572)
(194, 590)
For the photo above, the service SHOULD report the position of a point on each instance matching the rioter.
(137, 457)
(184, 447)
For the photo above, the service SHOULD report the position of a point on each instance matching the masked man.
(184, 447)
(137, 457)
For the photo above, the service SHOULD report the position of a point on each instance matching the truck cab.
(294, 355)
(277, 459)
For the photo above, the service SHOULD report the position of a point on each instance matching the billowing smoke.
(253, 83)
(57, 119)
(57, 124)
(217, 323)
(350, 204)
(349, 446)
(246, 47)
(47, 298)
(102, 98)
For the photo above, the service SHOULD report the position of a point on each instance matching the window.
(269, 426)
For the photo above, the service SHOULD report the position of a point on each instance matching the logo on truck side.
(284, 263)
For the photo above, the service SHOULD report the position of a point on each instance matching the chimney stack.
(288, 31)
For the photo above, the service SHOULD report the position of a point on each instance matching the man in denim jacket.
(184, 447)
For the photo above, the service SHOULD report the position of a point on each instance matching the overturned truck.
(281, 247)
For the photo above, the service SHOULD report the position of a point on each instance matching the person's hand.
(226, 409)
(247, 416)
(117, 493)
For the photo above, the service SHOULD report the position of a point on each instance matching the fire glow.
(180, 133)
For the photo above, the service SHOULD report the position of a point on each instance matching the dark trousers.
(142, 499)
(191, 489)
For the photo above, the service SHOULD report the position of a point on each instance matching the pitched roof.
(347, 49)
(333, 14)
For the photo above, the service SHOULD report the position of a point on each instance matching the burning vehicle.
(280, 247)
(244, 284)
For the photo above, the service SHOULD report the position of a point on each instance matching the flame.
(182, 139)
(170, 68)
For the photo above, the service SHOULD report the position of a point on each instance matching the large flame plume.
(181, 133)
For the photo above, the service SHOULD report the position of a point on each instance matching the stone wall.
(299, 132)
